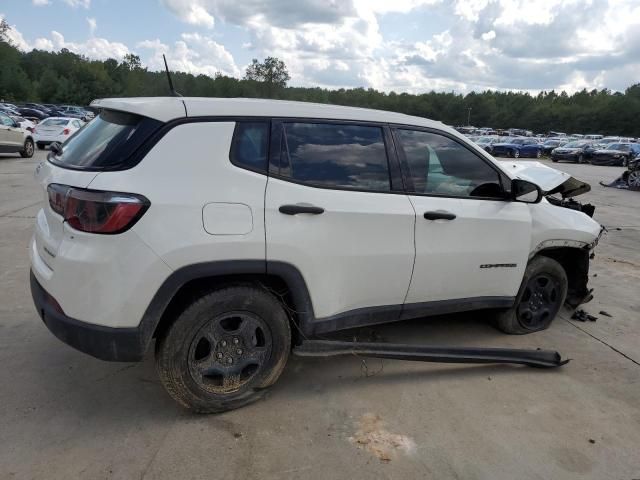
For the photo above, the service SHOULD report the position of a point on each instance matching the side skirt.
(391, 313)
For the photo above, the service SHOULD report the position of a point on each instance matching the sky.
(401, 45)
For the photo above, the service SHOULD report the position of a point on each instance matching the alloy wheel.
(539, 301)
(228, 351)
(633, 180)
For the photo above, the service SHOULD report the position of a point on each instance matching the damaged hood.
(550, 180)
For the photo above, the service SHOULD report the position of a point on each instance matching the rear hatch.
(110, 142)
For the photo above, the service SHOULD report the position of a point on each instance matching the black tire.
(27, 151)
(515, 153)
(41, 146)
(554, 160)
(580, 158)
(625, 162)
(244, 325)
(541, 295)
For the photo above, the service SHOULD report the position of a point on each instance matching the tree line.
(68, 78)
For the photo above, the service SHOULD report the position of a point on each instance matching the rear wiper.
(56, 148)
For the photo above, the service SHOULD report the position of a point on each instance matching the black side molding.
(426, 353)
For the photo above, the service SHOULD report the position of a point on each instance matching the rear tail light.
(96, 211)
(66, 131)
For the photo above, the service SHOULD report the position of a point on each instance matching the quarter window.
(335, 155)
(249, 145)
(439, 165)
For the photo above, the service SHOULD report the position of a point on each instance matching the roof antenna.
(171, 89)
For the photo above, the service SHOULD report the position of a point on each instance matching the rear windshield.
(106, 142)
(54, 122)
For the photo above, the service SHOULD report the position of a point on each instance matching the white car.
(24, 123)
(14, 139)
(225, 228)
(55, 129)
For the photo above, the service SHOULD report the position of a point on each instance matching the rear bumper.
(105, 343)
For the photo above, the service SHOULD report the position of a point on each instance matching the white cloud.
(78, 3)
(40, 3)
(99, 48)
(191, 12)
(194, 53)
(93, 25)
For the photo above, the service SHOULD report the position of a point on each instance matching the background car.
(518, 147)
(616, 154)
(23, 122)
(32, 113)
(487, 142)
(14, 139)
(552, 143)
(55, 129)
(572, 151)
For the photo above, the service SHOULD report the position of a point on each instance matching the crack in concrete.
(604, 343)
(7, 214)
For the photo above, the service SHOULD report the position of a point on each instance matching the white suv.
(229, 229)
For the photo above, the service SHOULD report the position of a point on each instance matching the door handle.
(295, 209)
(439, 215)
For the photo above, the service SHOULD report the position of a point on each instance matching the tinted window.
(335, 155)
(441, 166)
(249, 146)
(106, 142)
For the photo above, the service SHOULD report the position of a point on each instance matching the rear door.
(471, 245)
(334, 209)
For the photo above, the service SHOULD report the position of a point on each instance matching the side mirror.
(526, 192)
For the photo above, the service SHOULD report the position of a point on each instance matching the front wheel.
(224, 350)
(580, 158)
(27, 150)
(542, 293)
(538, 154)
(633, 179)
(515, 153)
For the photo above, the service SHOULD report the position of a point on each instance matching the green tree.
(272, 73)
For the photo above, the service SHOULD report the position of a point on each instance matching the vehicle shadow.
(80, 388)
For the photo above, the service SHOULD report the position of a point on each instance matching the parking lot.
(66, 415)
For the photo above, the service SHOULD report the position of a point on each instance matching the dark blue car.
(518, 147)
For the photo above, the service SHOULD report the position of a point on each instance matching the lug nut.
(223, 343)
(239, 351)
(219, 355)
(236, 341)
(229, 360)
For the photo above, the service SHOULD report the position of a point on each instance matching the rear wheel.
(515, 153)
(538, 153)
(27, 150)
(224, 350)
(542, 293)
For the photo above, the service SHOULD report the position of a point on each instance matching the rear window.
(249, 145)
(54, 122)
(107, 142)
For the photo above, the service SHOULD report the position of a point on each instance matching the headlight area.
(572, 204)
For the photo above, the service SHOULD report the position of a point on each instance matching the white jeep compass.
(229, 229)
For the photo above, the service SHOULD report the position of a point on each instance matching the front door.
(472, 245)
(331, 211)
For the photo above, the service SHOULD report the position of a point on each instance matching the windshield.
(518, 141)
(618, 146)
(106, 142)
(575, 144)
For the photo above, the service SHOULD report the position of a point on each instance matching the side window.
(6, 120)
(439, 165)
(249, 145)
(335, 155)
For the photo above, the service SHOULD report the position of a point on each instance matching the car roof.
(170, 108)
